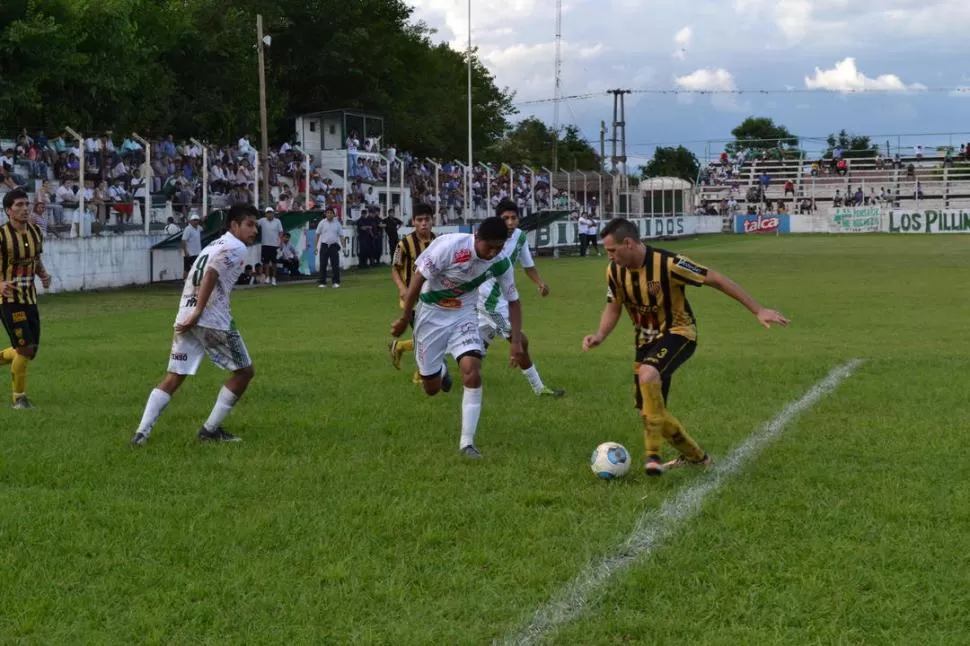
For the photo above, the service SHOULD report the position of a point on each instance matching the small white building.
(666, 196)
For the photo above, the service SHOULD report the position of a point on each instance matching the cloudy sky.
(809, 51)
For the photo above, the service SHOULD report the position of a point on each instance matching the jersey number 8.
(199, 270)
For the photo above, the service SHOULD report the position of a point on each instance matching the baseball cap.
(195, 216)
(269, 209)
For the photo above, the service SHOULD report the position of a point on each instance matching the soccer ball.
(610, 460)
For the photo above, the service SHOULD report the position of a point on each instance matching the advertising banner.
(775, 223)
(929, 221)
(856, 219)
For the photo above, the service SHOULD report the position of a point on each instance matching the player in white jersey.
(204, 326)
(448, 274)
(493, 310)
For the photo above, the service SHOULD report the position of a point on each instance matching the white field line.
(654, 527)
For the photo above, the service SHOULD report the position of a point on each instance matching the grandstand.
(911, 178)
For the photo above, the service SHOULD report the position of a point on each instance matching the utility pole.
(619, 131)
(602, 141)
(264, 134)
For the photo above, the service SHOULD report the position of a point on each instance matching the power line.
(605, 93)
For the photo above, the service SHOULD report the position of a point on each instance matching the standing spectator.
(329, 235)
(391, 224)
(582, 229)
(271, 230)
(191, 243)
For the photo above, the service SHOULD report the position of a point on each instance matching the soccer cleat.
(653, 466)
(446, 385)
(395, 354)
(551, 392)
(22, 402)
(218, 435)
(336, 285)
(470, 451)
(682, 461)
(140, 439)
(323, 286)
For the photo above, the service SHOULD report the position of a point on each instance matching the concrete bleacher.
(944, 183)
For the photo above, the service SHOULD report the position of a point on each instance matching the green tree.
(530, 143)
(190, 68)
(672, 162)
(851, 145)
(761, 133)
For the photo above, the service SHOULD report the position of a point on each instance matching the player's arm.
(42, 273)
(608, 320)
(410, 300)
(727, 286)
(208, 284)
(529, 266)
(397, 267)
(611, 313)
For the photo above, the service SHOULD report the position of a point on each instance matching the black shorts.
(666, 354)
(268, 254)
(187, 262)
(411, 322)
(22, 323)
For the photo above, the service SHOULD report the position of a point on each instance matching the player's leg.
(465, 345)
(184, 359)
(398, 347)
(499, 320)
(655, 361)
(22, 323)
(431, 334)
(227, 350)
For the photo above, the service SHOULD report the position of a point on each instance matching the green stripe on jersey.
(437, 295)
(492, 300)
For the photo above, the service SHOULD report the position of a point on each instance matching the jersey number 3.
(199, 270)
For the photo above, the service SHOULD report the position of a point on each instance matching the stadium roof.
(665, 184)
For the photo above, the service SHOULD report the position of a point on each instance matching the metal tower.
(558, 93)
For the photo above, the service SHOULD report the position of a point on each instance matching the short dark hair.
(621, 229)
(493, 229)
(12, 196)
(506, 205)
(240, 212)
(422, 209)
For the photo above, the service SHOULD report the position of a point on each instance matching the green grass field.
(347, 517)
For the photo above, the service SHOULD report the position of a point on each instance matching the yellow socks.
(406, 345)
(659, 424)
(19, 370)
(7, 356)
(654, 419)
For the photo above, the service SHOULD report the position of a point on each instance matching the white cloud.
(682, 39)
(706, 80)
(846, 77)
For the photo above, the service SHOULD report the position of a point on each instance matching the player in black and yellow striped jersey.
(402, 270)
(650, 284)
(21, 244)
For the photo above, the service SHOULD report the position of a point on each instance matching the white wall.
(98, 262)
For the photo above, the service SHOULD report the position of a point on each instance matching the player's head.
(15, 205)
(621, 239)
(422, 218)
(330, 214)
(241, 222)
(490, 237)
(509, 212)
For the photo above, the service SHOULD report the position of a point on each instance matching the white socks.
(157, 401)
(534, 380)
(471, 410)
(224, 403)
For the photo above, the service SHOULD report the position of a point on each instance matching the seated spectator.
(289, 259)
(248, 277)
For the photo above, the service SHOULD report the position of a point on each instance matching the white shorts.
(439, 333)
(224, 347)
(494, 324)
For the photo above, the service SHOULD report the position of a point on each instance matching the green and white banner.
(929, 221)
(856, 219)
